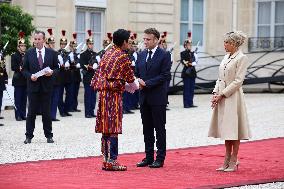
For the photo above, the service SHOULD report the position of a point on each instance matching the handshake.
(132, 87)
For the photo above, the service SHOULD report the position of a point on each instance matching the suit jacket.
(31, 66)
(88, 57)
(187, 55)
(16, 62)
(155, 77)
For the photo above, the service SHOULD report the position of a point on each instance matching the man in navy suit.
(39, 89)
(153, 69)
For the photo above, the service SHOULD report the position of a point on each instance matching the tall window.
(93, 20)
(270, 18)
(192, 19)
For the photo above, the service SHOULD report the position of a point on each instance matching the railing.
(275, 68)
(256, 44)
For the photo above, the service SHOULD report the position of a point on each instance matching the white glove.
(71, 56)
(95, 66)
(78, 65)
(60, 59)
(78, 56)
(133, 63)
(98, 58)
(67, 65)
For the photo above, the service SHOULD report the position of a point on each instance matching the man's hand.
(49, 73)
(33, 78)
(142, 83)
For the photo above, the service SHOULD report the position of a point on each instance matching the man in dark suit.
(153, 70)
(39, 88)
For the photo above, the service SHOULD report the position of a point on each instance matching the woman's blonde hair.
(236, 38)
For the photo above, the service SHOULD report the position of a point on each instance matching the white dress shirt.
(153, 52)
(42, 53)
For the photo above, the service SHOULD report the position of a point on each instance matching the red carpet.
(260, 162)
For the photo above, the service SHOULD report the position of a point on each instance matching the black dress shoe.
(1, 117)
(55, 119)
(50, 140)
(28, 141)
(193, 106)
(68, 114)
(19, 119)
(157, 164)
(94, 115)
(24, 118)
(144, 163)
(88, 116)
(63, 115)
(76, 110)
(1, 124)
(127, 112)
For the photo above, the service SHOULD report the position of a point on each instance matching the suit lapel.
(144, 56)
(35, 58)
(45, 58)
(155, 56)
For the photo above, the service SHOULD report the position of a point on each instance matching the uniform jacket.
(64, 72)
(75, 72)
(187, 55)
(88, 57)
(17, 61)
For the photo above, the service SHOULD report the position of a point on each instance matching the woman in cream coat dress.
(229, 120)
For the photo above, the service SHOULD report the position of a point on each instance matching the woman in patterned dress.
(114, 70)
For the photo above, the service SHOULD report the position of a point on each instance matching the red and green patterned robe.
(109, 80)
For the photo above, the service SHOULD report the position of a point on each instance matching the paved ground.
(74, 136)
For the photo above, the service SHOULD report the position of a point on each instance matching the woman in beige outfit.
(229, 120)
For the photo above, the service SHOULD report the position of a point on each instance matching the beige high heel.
(225, 164)
(233, 166)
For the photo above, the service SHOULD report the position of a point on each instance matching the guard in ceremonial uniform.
(19, 81)
(50, 43)
(75, 73)
(189, 60)
(163, 42)
(106, 45)
(89, 64)
(3, 78)
(64, 105)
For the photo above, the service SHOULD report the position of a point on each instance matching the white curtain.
(96, 27)
(279, 19)
(80, 26)
(264, 15)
